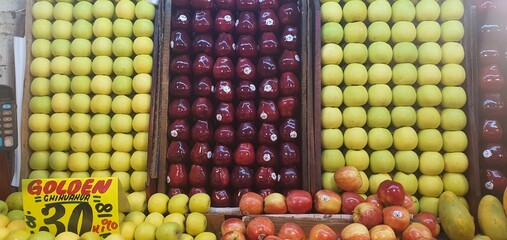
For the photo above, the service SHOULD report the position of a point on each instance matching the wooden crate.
(470, 85)
(26, 152)
(163, 98)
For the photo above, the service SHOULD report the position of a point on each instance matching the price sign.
(77, 205)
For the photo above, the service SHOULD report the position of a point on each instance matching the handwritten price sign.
(77, 205)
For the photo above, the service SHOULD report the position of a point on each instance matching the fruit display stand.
(468, 84)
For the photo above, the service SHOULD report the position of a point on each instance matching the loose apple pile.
(392, 96)
(90, 90)
(234, 89)
(491, 98)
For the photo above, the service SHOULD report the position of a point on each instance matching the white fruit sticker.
(489, 185)
(172, 44)
(247, 70)
(182, 17)
(209, 155)
(252, 87)
(228, 18)
(397, 214)
(268, 88)
(273, 137)
(278, 177)
(270, 21)
(174, 133)
(266, 157)
(219, 117)
(226, 89)
(487, 153)
(168, 179)
(264, 116)
(237, 22)
(325, 198)
(289, 38)
(213, 89)
(273, 176)
(234, 46)
(293, 134)
(296, 57)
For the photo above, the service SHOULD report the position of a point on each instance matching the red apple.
(179, 130)
(289, 61)
(202, 21)
(327, 202)
(195, 190)
(245, 90)
(181, 19)
(224, 45)
(266, 156)
(349, 201)
(247, 5)
(224, 135)
(494, 182)
(233, 236)
(408, 203)
(367, 214)
(180, 87)
(430, 221)
(291, 231)
(202, 131)
(178, 108)
(203, 43)
(382, 232)
(225, 4)
(173, 191)
(222, 156)
(247, 46)
(493, 154)
(268, 4)
(242, 177)
(416, 231)
(177, 152)
(391, 193)
(244, 154)
(223, 69)
(268, 134)
(299, 201)
(268, 111)
(289, 178)
(203, 65)
(289, 154)
(224, 92)
(288, 129)
(289, 84)
(355, 231)
(269, 88)
(177, 176)
(246, 132)
(267, 67)
(268, 44)
(348, 178)
(251, 203)
(259, 228)
(224, 21)
(288, 106)
(238, 193)
(246, 24)
(224, 113)
(180, 42)
(289, 14)
(202, 4)
(491, 104)
(490, 78)
(265, 177)
(201, 153)
(268, 21)
(373, 198)
(233, 225)
(198, 176)
(245, 111)
(289, 38)
(396, 217)
(272, 237)
(180, 65)
(492, 130)
(489, 53)
(220, 198)
(219, 177)
(245, 69)
(322, 232)
(265, 192)
(275, 203)
(202, 108)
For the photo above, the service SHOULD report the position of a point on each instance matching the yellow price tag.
(76, 205)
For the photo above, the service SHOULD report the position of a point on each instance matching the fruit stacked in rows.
(392, 95)
(90, 90)
(491, 65)
(234, 91)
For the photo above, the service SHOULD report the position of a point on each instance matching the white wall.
(11, 24)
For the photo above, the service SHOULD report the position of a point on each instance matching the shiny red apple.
(299, 201)
(251, 203)
(367, 214)
(396, 217)
(275, 203)
(391, 193)
(327, 202)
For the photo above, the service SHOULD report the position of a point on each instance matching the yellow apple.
(124, 178)
(331, 138)
(453, 119)
(358, 159)
(41, 29)
(355, 74)
(59, 122)
(143, 28)
(91, 236)
(60, 48)
(355, 32)
(332, 160)
(406, 161)
(42, 10)
(332, 32)
(381, 161)
(78, 162)
(453, 74)
(430, 140)
(122, 46)
(403, 10)
(354, 117)
(60, 103)
(429, 96)
(405, 52)
(155, 218)
(146, 231)
(453, 97)
(82, 29)
(80, 175)
(141, 122)
(122, 142)
(101, 104)
(135, 216)
(83, 10)
(80, 122)
(102, 173)
(122, 27)
(404, 73)
(61, 29)
(454, 141)
(379, 11)
(452, 31)
(427, 10)
(39, 174)
(142, 45)
(80, 142)
(456, 162)
(379, 74)
(122, 85)
(81, 47)
(40, 67)
(127, 230)
(199, 203)
(355, 53)
(178, 204)
(456, 183)
(99, 161)
(355, 138)
(403, 116)
(102, 46)
(101, 84)
(405, 139)
(80, 84)
(429, 53)
(63, 11)
(408, 181)
(59, 141)
(195, 223)
(100, 123)
(103, 27)
(39, 141)
(41, 48)
(141, 83)
(120, 161)
(365, 185)
(102, 65)
(125, 9)
(452, 52)
(380, 139)
(39, 122)
(376, 179)
(331, 53)
(428, 31)
(355, 96)
(103, 9)
(378, 117)
(39, 160)
(143, 63)
(428, 204)
(403, 31)
(123, 66)
(379, 31)
(121, 123)
(158, 203)
(61, 65)
(428, 118)
(428, 74)
(81, 66)
(145, 10)
(379, 95)
(355, 11)
(430, 186)
(431, 163)
(451, 10)
(121, 105)
(328, 182)
(331, 96)
(177, 218)
(101, 143)
(141, 103)
(331, 117)
(138, 160)
(331, 12)
(58, 161)
(80, 103)
(40, 104)
(40, 87)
